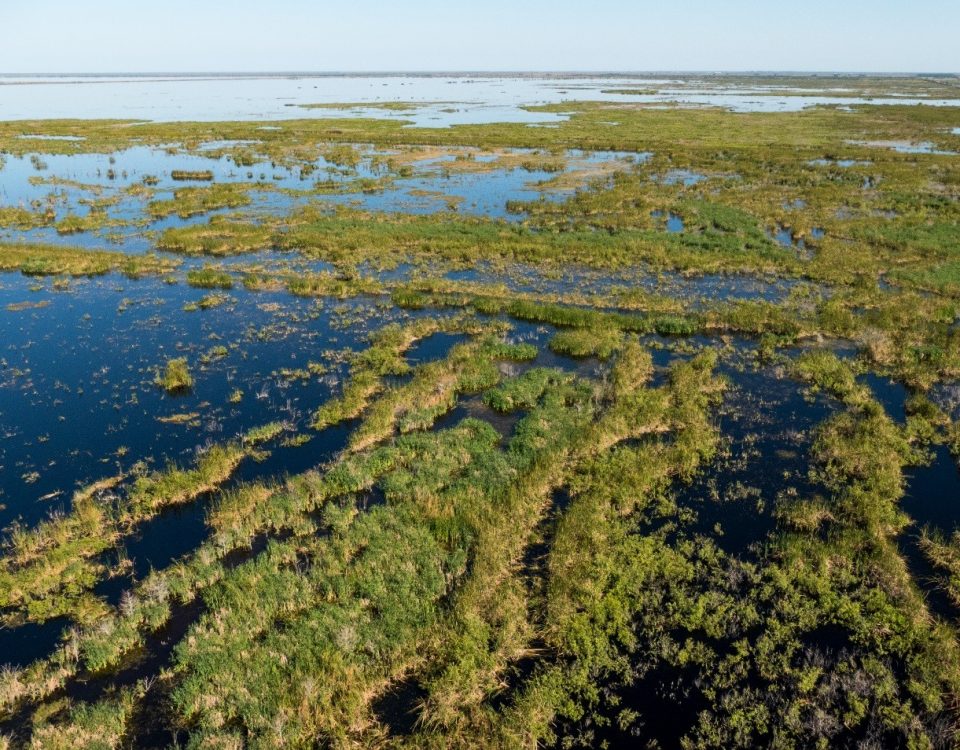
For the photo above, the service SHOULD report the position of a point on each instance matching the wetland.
(544, 411)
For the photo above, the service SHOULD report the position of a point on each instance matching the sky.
(67, 36)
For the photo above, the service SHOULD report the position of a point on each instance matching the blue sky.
(363, 35)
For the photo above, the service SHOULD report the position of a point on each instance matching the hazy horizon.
(477, 72)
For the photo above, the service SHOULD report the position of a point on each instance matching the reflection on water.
(907, 147)
(436, 100)
(673, 223)
(62, 186)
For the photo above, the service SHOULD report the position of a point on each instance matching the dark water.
(932, 497)
(433, 347)
(932, 500)
(784, 237)
(77, 397)
(23, 645)
(891, 394)
(767, 422)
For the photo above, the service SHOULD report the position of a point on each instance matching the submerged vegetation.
(643, 463)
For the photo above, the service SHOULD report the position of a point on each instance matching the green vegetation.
(500, 546)
(825, 371)
(209, 278)
(176, 376)
(384, 357)
(587, 342)
(220, 236)
(50, 570)
(332, 285)
(54, 260)
(187, 175)
(23, 219)
(192, 201)
(93, 220)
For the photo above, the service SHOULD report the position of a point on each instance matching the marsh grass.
(189, 202)
(383, 357)
(55, 260)
(49, 570)
(175, 378)
(221, 236)
(24, 219)
(449, 559)
(587, 342)
(184, 175)
(209, 278)
(943, 553)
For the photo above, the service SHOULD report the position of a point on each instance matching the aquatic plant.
(209, 278)
(221, 236)
(56, 260)
(175, 377)
(587, 342)
(518, 555)
(23, 219)
(189, 202)
(188, 175)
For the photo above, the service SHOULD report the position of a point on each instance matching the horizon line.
(483, 72)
